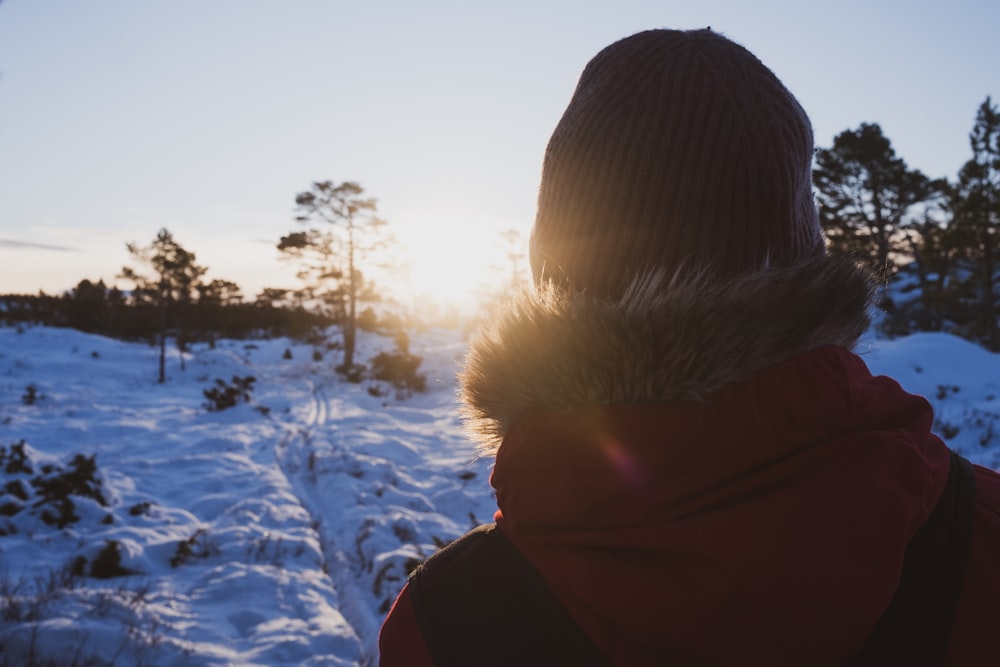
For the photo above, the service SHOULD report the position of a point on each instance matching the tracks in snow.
(296, 460)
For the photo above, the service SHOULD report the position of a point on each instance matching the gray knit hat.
(678, 148)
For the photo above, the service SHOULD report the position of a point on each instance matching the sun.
(460, 266)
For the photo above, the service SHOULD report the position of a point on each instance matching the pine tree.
(86, 307)
(345, 233)
(866, 195)
(975, 206)
(173, 279)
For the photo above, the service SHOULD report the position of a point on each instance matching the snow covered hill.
(139, 527)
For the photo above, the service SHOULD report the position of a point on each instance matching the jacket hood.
(666, 338)
(765, 523)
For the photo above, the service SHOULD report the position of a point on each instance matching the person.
(689, 450)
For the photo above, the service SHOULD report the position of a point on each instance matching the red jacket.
(765, 524)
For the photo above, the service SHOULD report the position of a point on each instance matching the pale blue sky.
(118, 117)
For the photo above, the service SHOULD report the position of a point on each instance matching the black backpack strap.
(916, 627)
(479, 601)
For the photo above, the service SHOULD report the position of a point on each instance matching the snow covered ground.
(138, 527)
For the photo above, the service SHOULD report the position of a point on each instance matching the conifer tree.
(975, 206)
(344, 233)
(866, 195)
(172, 278)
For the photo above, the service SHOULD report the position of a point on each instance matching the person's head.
(676, 247)
(678, 150)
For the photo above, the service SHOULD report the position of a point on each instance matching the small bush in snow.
(30, 395)
(108, 562)
(197, 546)
(400, 369)
(50, 493)
(16, 461)
(224, 395)
(947, 430)
(355, 374)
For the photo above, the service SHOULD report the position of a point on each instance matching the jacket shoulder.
(481, 586)
(400, 641)
(475, 543)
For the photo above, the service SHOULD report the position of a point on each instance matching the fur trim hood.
(666, 338)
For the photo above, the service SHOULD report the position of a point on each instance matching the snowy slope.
(276, 532)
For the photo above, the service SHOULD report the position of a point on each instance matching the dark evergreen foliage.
(171, 283)
(866, 195)
(936, 242)
(223, 395)
(125, 318)
(30, 395)
(975, 227)
(108, 562)
(48, 493)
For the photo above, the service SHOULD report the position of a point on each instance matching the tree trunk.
(163, 339)
(350, 325)
(989, 296)
(182, 339)
(930, 307)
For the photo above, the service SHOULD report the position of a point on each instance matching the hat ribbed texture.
(677, 148)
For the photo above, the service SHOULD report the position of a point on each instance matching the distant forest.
(933, 242)
(137, 316)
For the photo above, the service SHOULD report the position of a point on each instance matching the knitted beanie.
(678, 149)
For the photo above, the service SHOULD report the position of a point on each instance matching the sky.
(300, 509)
(118, 118)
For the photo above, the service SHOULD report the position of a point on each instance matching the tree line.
(212, 312)
(171, 299)
(933, 242)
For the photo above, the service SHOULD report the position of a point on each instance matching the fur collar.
(666, 338)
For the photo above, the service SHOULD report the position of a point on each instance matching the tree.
(219, 292)
(933, 260)
(514, 253)
(272, 297)
(344, 233)
(174, 276)
(866, 195)
(975, 206)
(87, 307)
(513, 268)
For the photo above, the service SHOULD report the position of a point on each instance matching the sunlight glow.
(460, 266)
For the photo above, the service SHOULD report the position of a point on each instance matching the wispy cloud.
(8, 243)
